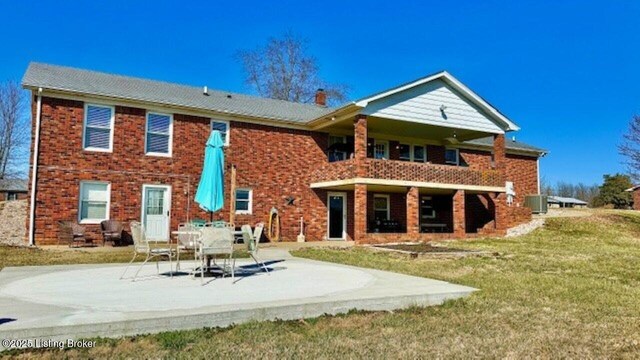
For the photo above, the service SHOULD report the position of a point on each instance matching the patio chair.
(215, 241)
(252, 239)
(111, 231)
(73, 233)
(141, 246)
(187, 242)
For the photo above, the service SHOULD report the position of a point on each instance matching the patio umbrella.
(210, 193)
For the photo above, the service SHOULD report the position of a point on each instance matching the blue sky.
(566, 72)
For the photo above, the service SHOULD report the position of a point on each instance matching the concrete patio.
(79, 301)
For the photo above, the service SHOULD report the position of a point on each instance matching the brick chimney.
(321, 97)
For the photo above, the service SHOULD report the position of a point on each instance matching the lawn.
(23, 256)
(571, 289)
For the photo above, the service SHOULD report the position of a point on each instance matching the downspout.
(34, 170)
(538, 169)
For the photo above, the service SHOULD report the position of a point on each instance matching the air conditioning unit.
(537, 203)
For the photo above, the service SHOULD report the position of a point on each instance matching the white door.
(156, 204)
(337, 216)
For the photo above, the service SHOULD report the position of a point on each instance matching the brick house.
(428, 159)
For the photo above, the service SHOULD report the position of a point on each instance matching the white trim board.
(420, 184)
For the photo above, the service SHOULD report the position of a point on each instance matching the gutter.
(34, 171)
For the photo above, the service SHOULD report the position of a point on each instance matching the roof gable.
(421, 101)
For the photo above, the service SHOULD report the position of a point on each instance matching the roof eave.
(143, 102)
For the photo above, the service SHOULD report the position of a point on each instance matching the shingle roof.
(509, 144)
(103, 84)
(80, 81)
(13, 185)
(560, 199)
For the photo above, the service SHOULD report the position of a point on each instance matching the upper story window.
(415, 153)
(94, 202)
(159, 132)
(223, 127)
(244, 201)
(381, 149)
(337, 145)
(452, 156)
(98, 128)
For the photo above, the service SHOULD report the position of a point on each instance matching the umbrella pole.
(232, 196)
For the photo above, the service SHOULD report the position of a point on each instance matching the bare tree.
(14, 131)
(283, 70)
(630, 148)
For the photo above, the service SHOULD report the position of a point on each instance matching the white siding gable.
(421, 104)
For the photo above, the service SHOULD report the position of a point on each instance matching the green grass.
(22, 256)
(571, 289)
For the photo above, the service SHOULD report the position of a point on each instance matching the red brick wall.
(523, 171)
(275, 162)
(261, 153)
(636, 199)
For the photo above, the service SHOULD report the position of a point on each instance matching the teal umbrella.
(210, 194)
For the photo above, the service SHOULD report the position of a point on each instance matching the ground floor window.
(94, 201)
(244, 200)
(12, 196)
(381, 207)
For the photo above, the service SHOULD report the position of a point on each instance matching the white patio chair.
(215, 241)
(187, 240)
(141, 247)
(252, 239)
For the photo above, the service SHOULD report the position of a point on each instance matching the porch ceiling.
(400, 129)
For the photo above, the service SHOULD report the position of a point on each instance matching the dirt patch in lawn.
(425, 250)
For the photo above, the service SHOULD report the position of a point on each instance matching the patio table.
(237, 234)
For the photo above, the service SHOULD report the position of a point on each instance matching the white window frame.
(386, 147)
(107, 211)
(146, 132)
(111, 128)
(424, 159)
(227, 132)
(412, 153)
(457, 162)
(388, 209)
(249, 210)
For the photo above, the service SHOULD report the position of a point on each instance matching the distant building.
(565, 202)
(13, 189)
(636, 196)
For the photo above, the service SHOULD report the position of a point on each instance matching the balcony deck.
(403, 173)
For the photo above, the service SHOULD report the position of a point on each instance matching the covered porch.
(375, 211)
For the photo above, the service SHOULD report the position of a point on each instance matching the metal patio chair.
(141, 246)
(252, 239)
(188, 235)
(215, 241)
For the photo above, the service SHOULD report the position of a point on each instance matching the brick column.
(499, 152)
(459, 221)
(360, 213)
(500, 213)
(360, 144)
(413, 205)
